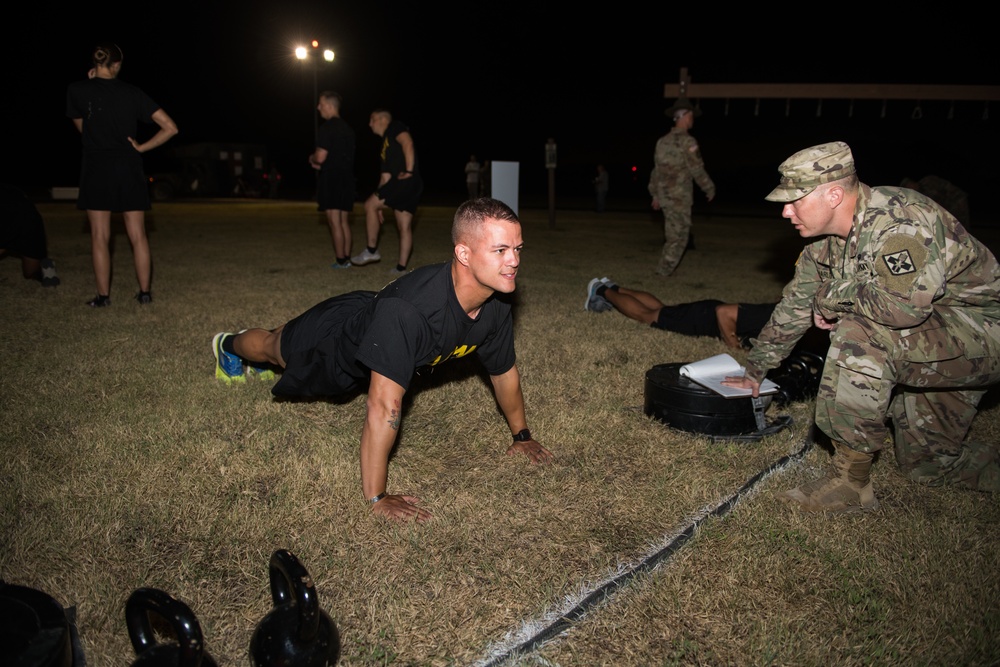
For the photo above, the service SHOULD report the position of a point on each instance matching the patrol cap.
(682, 104)
(811, 167)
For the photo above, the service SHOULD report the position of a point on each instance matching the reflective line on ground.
(534, 634)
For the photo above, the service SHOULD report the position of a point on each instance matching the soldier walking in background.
(676, 162)
(912, 304)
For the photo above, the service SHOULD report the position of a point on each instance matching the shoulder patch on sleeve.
(899, 260)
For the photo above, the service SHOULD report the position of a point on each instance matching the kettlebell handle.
(179, 615)
(292, 585)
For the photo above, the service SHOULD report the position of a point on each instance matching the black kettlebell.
(34, 629)
(189, 651)
(296, 632)
(798, 377)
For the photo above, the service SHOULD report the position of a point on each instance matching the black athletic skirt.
(113, 181)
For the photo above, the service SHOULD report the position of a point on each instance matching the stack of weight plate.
(686, 405)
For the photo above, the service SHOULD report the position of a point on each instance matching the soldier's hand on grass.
(530, 448)
(401, 508)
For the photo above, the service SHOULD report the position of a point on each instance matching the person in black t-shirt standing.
(399, 188)
(380, 339)
(333, 158)
(107, 112)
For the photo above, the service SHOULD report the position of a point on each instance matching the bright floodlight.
(301, 53)
(328, 56)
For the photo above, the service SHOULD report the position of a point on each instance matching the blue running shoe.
(594, 303)
(228, 367)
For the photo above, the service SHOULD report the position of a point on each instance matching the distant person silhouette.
(273, 181)
(601, 188)
(472, 170)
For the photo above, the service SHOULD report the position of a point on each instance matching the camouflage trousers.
(676, 229)
(870, 378)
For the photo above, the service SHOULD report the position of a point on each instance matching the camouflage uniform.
(917, 338)
(945, 193)
(676, 160)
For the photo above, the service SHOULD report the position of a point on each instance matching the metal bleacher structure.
(956, 122)
(916, 93)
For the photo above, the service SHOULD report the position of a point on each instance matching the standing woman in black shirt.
(107, 112)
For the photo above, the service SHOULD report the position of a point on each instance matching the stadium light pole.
(316, 55)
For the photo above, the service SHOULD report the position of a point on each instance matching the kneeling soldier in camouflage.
(912, 304)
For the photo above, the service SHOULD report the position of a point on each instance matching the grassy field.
(127, 465)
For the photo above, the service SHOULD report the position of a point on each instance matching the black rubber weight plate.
(686, 405)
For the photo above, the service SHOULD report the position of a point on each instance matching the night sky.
(498, 79)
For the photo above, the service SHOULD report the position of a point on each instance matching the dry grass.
(127, 465)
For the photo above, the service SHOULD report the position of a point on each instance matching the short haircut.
(333, 97)
(471, 215)
(850, 183)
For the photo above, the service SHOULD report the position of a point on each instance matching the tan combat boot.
(846, 487)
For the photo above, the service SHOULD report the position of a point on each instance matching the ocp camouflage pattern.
(916, 300)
